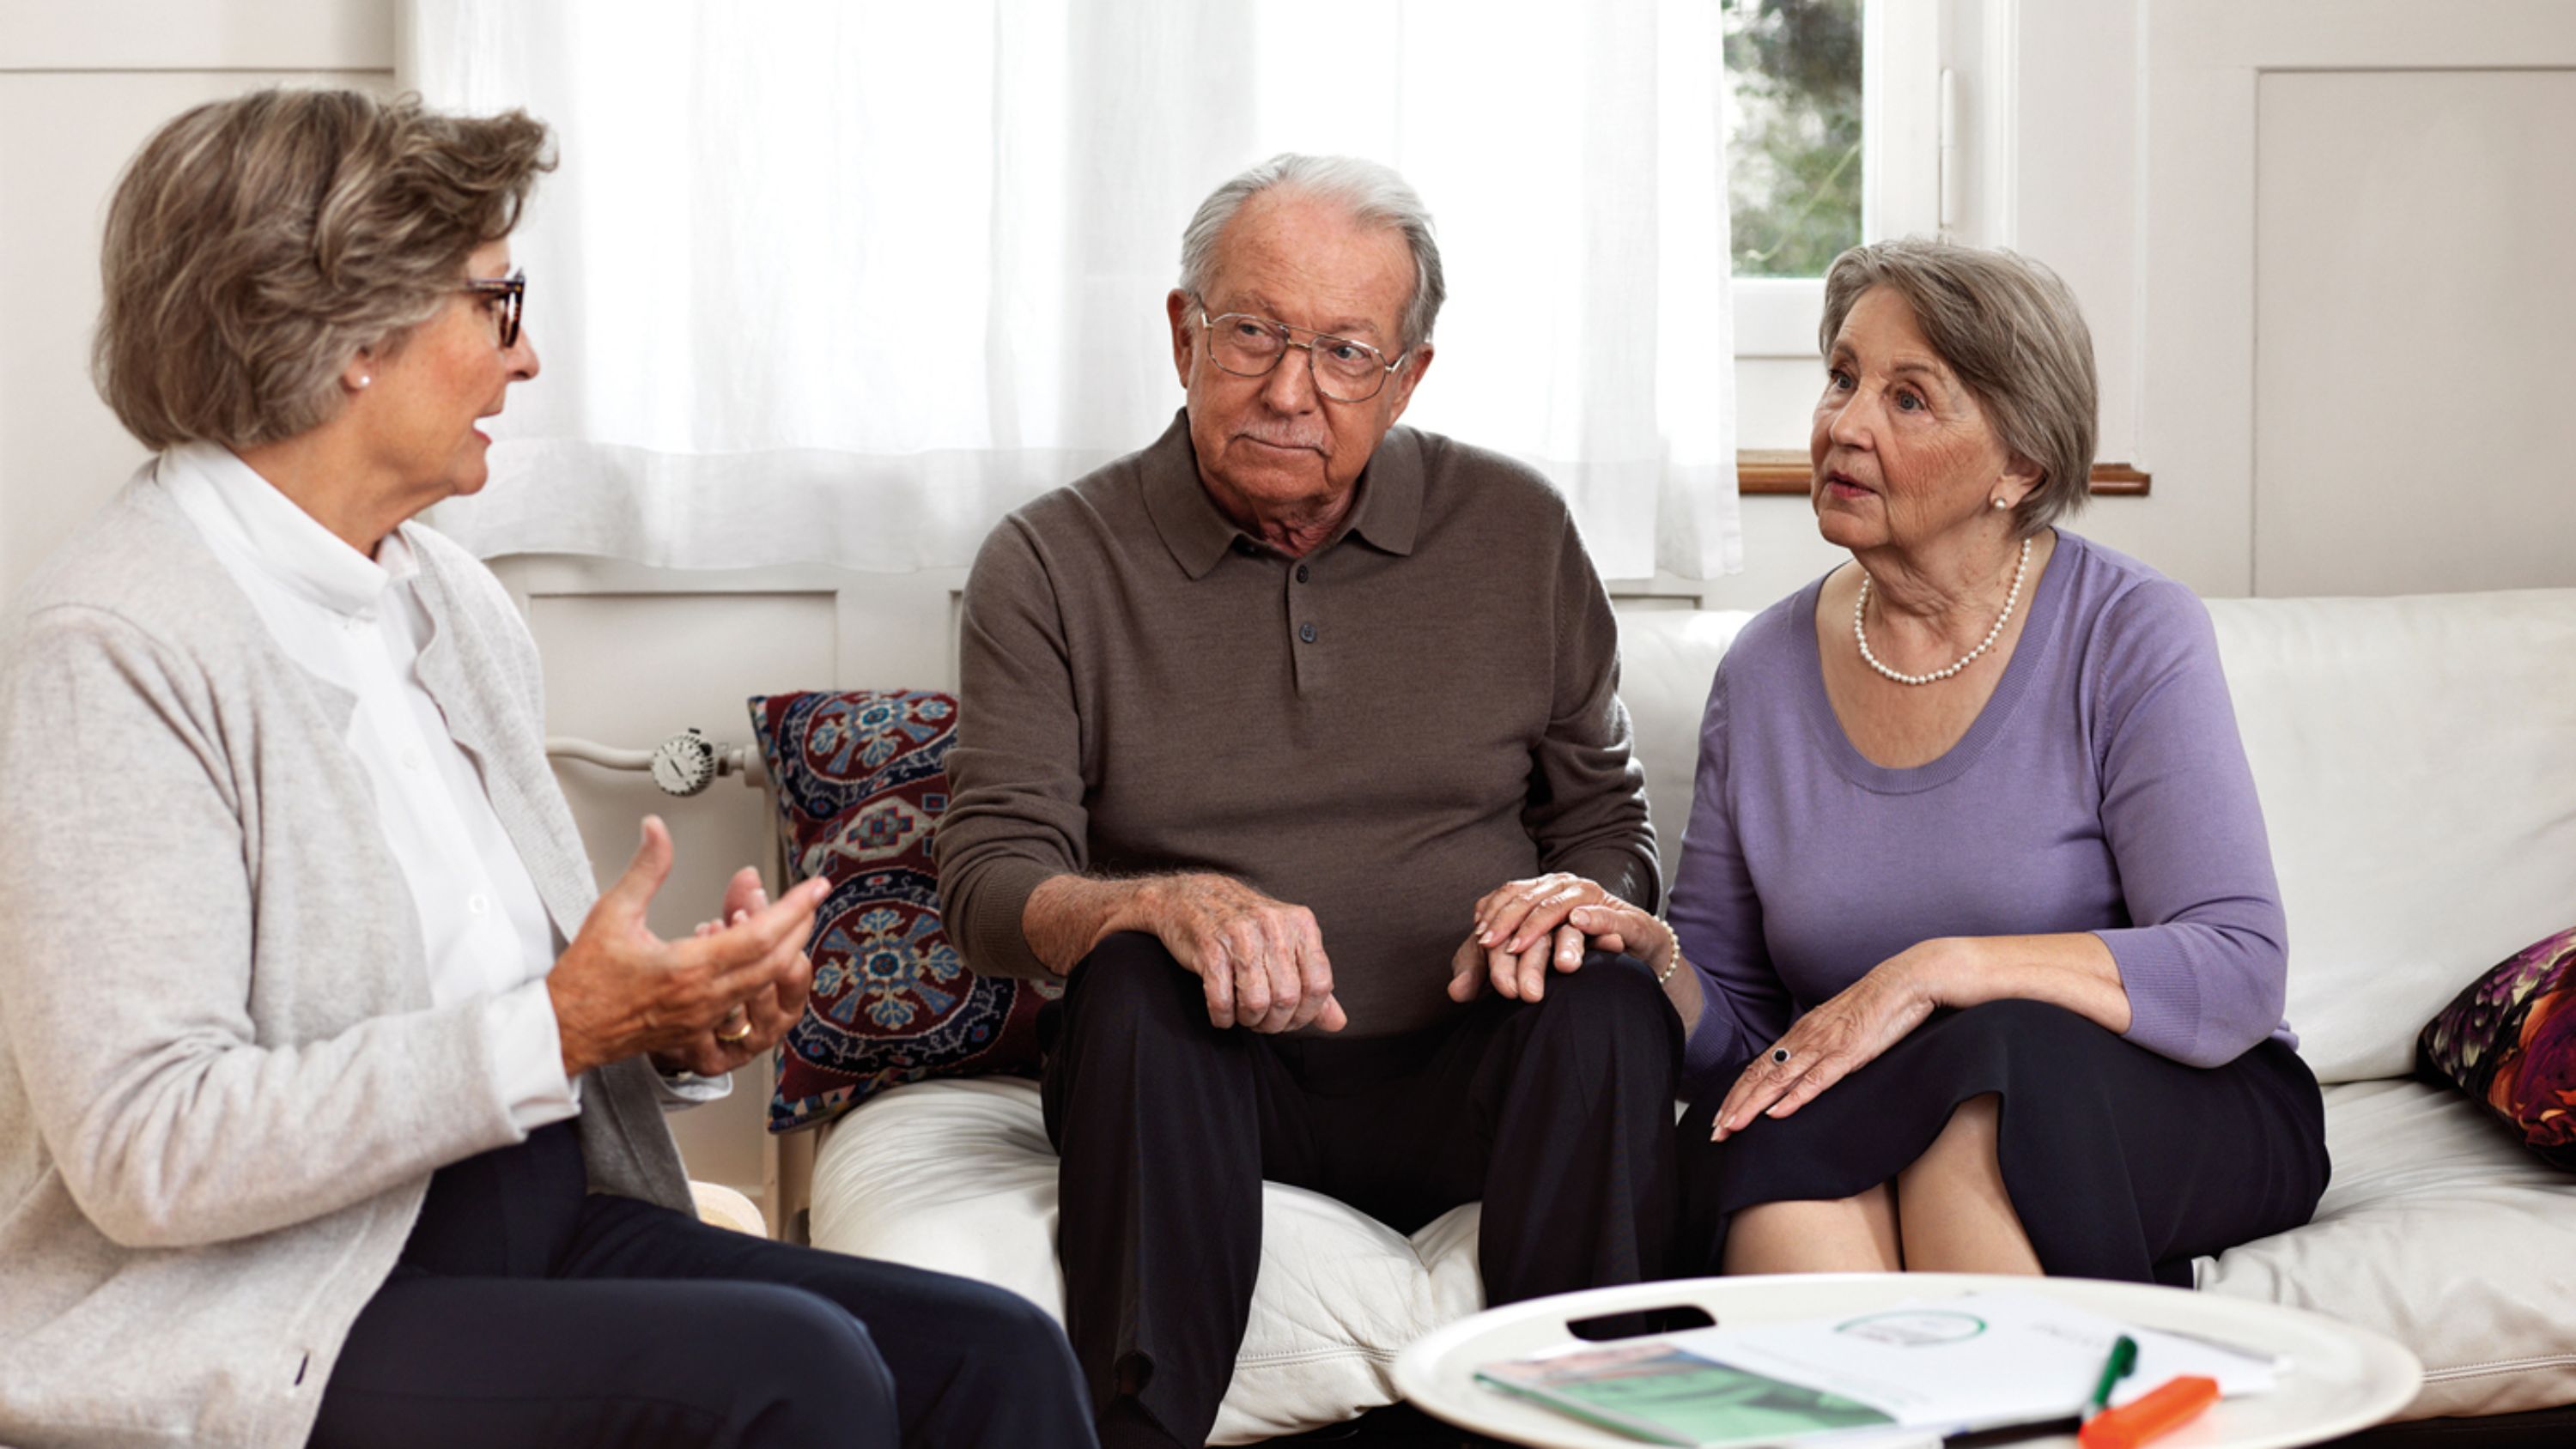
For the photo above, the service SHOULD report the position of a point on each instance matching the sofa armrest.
(724, 1207)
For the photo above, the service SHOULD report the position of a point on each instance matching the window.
(1832, 137)
(1793, 168)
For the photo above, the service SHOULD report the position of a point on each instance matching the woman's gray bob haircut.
(256, 244)
(2010, 329)
(1375, 195)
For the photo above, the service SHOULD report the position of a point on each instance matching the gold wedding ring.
(739, 1034)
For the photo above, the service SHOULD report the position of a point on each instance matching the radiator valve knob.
(685, 763)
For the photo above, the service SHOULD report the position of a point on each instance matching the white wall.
(2404, 287)
(81, 85)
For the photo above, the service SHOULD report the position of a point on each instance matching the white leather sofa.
(2417, 762)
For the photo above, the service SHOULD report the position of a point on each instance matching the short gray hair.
(1373, 193)
(255, 244)
(2010, 329)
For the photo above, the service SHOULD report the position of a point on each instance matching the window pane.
(1793, 141)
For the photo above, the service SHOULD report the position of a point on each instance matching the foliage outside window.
(1794, 148)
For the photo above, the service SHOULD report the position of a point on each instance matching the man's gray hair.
(2010, 329)
(1373, 193)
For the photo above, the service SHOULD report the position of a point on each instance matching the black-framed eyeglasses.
(512, 292)
(1344, 369)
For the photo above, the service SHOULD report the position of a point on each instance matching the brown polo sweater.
(1419, 710)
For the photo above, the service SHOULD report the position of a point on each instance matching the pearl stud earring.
(363, 380)
(1999, 503)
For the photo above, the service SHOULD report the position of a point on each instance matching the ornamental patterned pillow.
(861, 778)
(2509, 1041)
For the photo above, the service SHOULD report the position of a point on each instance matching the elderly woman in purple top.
(1975, 883)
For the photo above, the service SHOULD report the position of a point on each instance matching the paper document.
(1930, 1365)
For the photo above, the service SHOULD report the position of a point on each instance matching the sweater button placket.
(1304, 627)
(1308, 660)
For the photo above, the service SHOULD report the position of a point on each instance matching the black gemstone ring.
(1780, 1056)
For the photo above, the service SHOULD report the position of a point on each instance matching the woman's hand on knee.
(618, 989)
(1845, 1033)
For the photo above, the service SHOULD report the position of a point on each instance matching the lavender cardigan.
(2102, 789)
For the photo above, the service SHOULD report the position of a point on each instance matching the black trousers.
(526, 1312)
(2120, 1163)
(1557, 1114)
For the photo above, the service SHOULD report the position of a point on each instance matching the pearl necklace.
(1955, 665)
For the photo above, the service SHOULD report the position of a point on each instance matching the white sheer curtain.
(845, 282)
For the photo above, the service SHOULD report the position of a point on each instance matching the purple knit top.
(2103, 789)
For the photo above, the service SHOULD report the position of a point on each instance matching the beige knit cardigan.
(223, 1087)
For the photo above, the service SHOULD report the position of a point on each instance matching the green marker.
(2123, 1359)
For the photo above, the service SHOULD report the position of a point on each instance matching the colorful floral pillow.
(861, 778)
(2510, 1042)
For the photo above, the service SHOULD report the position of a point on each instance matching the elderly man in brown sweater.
(1274, 733)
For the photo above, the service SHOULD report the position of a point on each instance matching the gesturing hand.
(1847, 1032)
(618, 989)
(1521, 928)
(1261, 961)
(755, 1025)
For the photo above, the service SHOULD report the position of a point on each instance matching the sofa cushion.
(957, 1176)
(2509, 1041)
(860, 778)
(2417, 763)
(2440, 1232)
(1667, 661)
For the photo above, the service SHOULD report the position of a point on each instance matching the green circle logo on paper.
(1915, 1327)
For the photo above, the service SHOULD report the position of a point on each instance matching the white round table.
(2338, 1379)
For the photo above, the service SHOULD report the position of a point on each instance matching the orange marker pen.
(2170, 1406)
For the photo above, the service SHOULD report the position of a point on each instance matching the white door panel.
(2413, 313)
(2350, 212)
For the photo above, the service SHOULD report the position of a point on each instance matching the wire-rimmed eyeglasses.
(1344, 369)
(512, 294)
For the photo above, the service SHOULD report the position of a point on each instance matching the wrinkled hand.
(1261, 961)
(1615, 925)
(768, 1014)
(1521, 928)
(618, 989)
(1847, 1032)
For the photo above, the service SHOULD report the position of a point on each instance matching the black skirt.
(2121, 1163)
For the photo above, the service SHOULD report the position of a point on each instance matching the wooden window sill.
(1778, 470)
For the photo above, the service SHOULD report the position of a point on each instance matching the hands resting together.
(1263, 965)
(1262, 962)
(706, 1004)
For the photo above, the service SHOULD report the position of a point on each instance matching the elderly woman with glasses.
(330, 1087)
(1975, 882)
